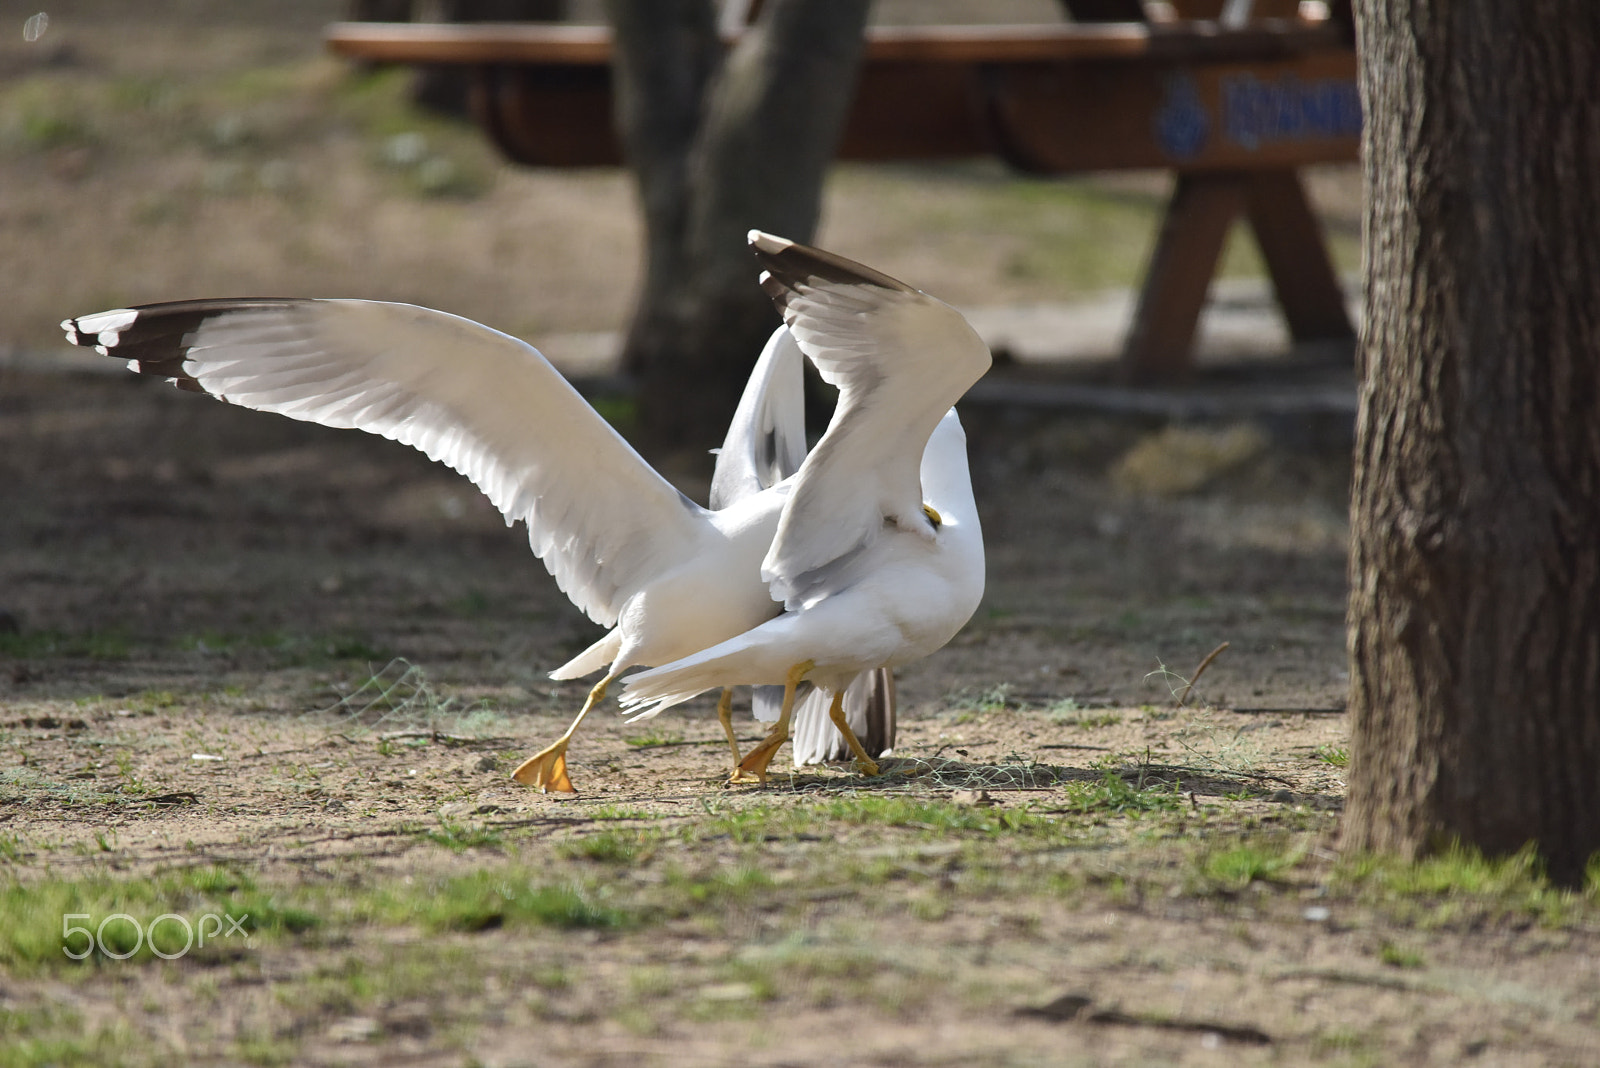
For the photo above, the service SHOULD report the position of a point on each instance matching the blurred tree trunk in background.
(1475, 564)
(720, 143)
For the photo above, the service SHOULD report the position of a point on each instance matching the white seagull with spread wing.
(665, 575)
(878, 556)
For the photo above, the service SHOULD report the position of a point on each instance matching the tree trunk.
(1475, 567)
(720, 145)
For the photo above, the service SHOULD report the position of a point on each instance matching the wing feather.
(766, 440)
(900, 359)
(482, 402)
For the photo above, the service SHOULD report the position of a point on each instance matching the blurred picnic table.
(1232, 96)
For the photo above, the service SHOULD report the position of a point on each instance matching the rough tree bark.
(1475, 568)
(720, 143)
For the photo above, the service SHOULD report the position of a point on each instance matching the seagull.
(878, 555)
(665, 576)
(765, 445)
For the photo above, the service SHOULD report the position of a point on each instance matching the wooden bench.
(1233, 106)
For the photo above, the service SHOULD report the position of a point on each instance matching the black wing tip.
(790, 264)
(155, 338)
(102, 330)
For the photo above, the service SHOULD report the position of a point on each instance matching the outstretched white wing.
(900, 359)
(480, 401)
(766, 440)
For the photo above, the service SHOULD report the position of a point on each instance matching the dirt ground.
(261, 669)
(197, 595)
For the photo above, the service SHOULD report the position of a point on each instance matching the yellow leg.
(725, 714)
(865, 764)
(547, 769)
(753, 768)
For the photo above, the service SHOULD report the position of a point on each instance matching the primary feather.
(482, 402)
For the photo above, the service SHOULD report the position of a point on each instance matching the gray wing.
(766, 441)
(482, 402)
(900, 359)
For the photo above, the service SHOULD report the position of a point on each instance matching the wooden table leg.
(1297, 257)
(1202, 208)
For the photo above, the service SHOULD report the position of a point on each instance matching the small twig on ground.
(1184, 696)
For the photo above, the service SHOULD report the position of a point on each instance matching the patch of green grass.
(48, 1035)
(131, 783)
(492, 899)
(759, 823)
(612, 846)
(363, 982)
(653, 981)
(754, 823)
(1335, 756)
(1346, 1040)
(697, 891)
(207, 643)
(939, 817)
(995, 698)
(1234, 866)
(44, 112)
(460, 837)
(153, 701)
(35, 936)
(966, 704)
(38, 644)
(618, 812)
(1113, 794)
(264, 1049)
(827, 970)
(1458, 870)
(1400, 957)
(653, 738)
(347, 648)
(245, 87)
(1460, 884)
